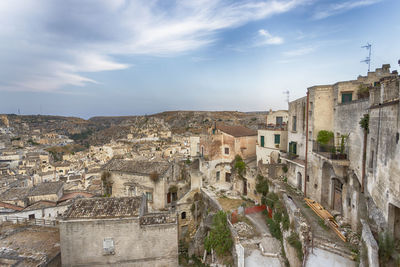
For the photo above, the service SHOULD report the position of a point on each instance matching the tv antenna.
(287, 95)
(367, 60)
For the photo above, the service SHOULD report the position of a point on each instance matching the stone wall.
(135, 244)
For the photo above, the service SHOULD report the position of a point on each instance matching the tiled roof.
(72, 195)
(103, 207)
(138, 167)
(15, 193)
(46, 188)
(236, 131)
(40, 205)
(10, 206)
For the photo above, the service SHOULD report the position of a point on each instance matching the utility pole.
(367, 60)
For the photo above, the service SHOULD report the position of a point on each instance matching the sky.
(90, 58)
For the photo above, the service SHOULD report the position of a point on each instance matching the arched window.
(183, 215)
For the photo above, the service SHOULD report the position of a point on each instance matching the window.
(218, 175)
(149, 196)
(174, 196)
(227, 177)
(183, 215)
(277, 139)
(279, 120)
(294, 125)
(262, 141)
(293, 148)
(226, 150)
(347, 97)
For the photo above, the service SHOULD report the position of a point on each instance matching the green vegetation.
(57, 152)
(219, 238)
(322, 224)
(274, 228)
(285, 168)
(239, 165)
(81, 136)
(33, 143)
(107, 184)
(363, 91)
(15, 138)
(387, 250)
(294, 241)
(262, 185)
(364, 122)
(324, 137)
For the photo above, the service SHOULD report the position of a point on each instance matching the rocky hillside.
(100, 130)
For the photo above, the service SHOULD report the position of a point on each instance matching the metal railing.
(331, 151)
(23, 220)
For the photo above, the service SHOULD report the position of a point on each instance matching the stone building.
(137, 177)
(334, 173)
(220, 147)
(296, 150)
(224, 142)
(272, 140)
(117, 232)
(382, 177)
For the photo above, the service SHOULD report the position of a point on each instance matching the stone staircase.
(328, 245)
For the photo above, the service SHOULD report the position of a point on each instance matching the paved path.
(327, 259)
(254, 257)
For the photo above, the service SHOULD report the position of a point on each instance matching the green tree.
(219, 239)
(262, 185)
(324, 137)
(239, 166)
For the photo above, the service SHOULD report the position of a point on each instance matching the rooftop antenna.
(19, 112)
(287, 95)
(367, 60)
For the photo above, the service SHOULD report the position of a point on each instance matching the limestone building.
(117, 232)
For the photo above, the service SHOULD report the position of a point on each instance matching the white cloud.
(269, 39)
(45, 47)
(339, 8)
(299, 52)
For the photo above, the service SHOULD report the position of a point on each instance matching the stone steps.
(333, 248)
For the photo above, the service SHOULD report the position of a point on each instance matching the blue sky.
(123, 57)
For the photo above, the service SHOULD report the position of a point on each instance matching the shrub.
(240, 165)
(274, 228)
(387, 248)
(262, 186)
(364, 122)
(219, 238)
(272, 198)
(285, 168)
(324, 137)
(285, 221)
(294, 241)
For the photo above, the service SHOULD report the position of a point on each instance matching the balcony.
(330, 151)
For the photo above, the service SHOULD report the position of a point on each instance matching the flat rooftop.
(104, 207)
(25, 245)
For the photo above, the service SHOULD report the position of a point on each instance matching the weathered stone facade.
(133, 238)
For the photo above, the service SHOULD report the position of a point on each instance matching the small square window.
(226, 150)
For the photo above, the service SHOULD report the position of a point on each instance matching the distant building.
(118, 232)
(137, 177)
(272, 140)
